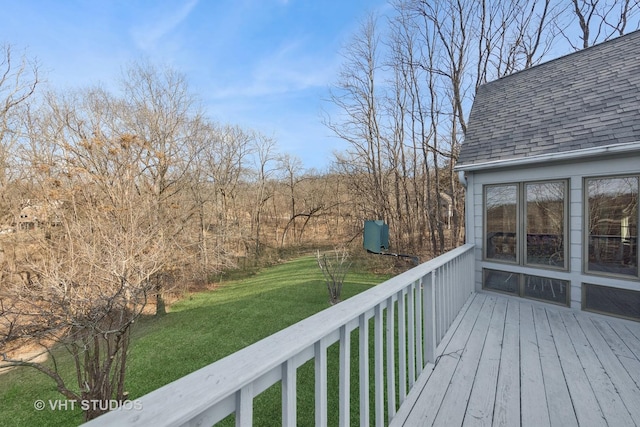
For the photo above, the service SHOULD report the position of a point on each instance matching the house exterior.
(551, 162)
(36, 215)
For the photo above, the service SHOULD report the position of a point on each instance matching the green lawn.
(197, 331)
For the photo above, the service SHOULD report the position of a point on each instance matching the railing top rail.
(184, 399)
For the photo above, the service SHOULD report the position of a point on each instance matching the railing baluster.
(244, 406)
(345, 377)
(320, 353)
(458, 266)
(418, 311)
(364, 369)
(391, 367)
(471, 269)
(430, 329)
(440, 305)
(378, 365)
(288, 394)
(451, 275)
(402, 345)
(411, 339)
(446, 293)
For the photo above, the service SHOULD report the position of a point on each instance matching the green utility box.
(376, 236)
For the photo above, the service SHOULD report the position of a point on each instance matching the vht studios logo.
(87, 405)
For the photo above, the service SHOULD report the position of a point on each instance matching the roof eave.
(583, 153)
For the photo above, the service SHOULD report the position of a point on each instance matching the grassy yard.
(197, 331)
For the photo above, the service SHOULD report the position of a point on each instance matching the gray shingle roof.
(590, 98)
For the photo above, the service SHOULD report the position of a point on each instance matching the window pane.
(502, 222)
(501, 281)
(613, 225)
(547, 289)
(545, 203)
(619, 302)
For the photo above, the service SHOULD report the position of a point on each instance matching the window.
(543, 207)
(502, 281)
(501, 222)
(618, 302)
(612, 232)
(525, 224)
(546, 289)
(545, 213)
(526, 285)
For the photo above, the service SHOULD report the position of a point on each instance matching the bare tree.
(217, 170)
(334, 269)
(85, 291)
(18, 82)
(303, 205)
(163, 114)
(19, 78)
(358, 99)
(89, 276)
(598, 21)
(265, 166)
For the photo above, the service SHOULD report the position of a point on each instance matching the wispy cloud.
(263, 64)
(156, 26)
(289, 69)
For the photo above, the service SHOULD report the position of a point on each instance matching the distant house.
(551, 161)
(35, 215)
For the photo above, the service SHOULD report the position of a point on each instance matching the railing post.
(429, 317)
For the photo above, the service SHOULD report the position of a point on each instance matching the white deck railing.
(411, 313)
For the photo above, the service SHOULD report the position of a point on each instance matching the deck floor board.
(480, 406)
(462, 380)
(447, 362)
(516, 362)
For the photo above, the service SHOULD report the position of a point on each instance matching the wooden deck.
(509, 362)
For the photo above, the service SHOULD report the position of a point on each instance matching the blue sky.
(265, 65)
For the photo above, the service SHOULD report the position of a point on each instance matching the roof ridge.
(569, 55)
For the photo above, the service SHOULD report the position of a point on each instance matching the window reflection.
(613, 225)
(614, 301)
(501, 221)
(501, 281)
(547, 289)
(545, 209)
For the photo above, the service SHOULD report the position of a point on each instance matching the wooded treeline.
(108, 198)
(406, 87)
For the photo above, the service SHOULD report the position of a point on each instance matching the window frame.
(565, 226)
(586, 234)
(518, 221)
(521, 221)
